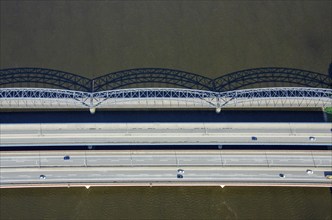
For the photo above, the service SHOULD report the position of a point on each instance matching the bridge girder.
(165, 98)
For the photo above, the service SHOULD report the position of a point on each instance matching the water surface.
(166, 203)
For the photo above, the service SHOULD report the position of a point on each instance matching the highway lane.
(132, 158)
(213, 166)
(166, 134)
(217, 175)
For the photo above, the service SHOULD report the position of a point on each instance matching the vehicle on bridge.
(328, 175)
(42, 177)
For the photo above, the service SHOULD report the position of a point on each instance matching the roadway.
(159, 158)
(214, 167)
(85, 134)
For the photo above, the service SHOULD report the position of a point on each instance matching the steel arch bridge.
(33, 77)
(165, 98)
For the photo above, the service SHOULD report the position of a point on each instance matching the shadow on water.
(162, 116)
(169, 147)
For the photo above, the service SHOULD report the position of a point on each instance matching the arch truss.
(165, 98)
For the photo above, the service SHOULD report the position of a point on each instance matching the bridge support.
(92, 110)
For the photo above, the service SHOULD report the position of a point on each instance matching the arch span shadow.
(142, 77)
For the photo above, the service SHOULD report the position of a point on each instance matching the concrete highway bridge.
(158, 134)
(68, 168)
(165, 168)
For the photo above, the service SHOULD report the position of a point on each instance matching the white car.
(309, 171)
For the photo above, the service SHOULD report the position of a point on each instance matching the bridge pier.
(92, 110)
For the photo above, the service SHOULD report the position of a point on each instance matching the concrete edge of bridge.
(166, 184)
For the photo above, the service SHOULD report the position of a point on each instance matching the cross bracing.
(158, 77)
(41, 97)
(165, 98)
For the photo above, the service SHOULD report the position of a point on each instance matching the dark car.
(281, 175)
(312, 138)
(42, 177)
(253, 138)
(179, 176)
(180, 171)
(66, 157)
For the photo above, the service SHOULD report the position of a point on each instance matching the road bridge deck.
(86, 134)
(216, 167)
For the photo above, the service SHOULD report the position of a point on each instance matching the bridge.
(24, 88)
(50, 89)
(133, 134)
(160, 168)
(166, 98)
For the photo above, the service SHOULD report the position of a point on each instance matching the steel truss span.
(165, 98)
(149, 77)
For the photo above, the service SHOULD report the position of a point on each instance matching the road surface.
(85, 134)
(215, 167)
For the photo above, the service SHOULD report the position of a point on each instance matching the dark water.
(167, 203)
(213, 38)
(162, 116)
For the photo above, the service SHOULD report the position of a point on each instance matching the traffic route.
(86, 134)
(204, 167)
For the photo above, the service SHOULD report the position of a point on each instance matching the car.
(309, 171)
(253, 138)
(328, 175)
(312, 138)
(180, 171)
(281, 175)
(179, 176)
(42, 177)
(66, 157)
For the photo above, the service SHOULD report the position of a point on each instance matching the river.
(166, 203)
(210, 38)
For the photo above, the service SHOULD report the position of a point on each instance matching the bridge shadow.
(161, 77)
